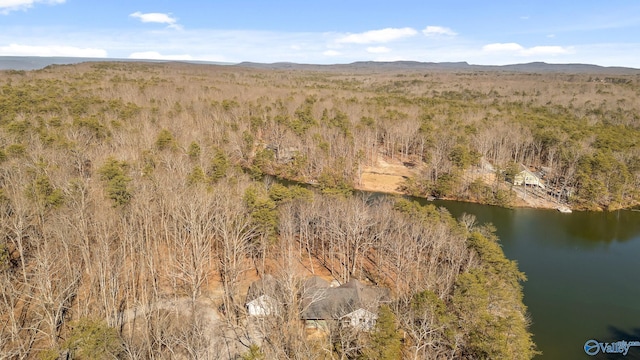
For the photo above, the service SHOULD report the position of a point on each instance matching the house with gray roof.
(352, 303)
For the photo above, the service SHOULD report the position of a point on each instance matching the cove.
(582, 271)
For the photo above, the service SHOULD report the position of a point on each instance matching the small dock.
(564, 209)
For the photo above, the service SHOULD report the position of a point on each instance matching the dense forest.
(138, 201)
(323, 127)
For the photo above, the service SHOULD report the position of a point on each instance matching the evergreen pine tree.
(385, 339)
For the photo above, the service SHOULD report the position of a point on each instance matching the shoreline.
(386, 175)
(518, 205)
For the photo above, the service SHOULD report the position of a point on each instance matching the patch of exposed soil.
(532, 200)
(386, 175)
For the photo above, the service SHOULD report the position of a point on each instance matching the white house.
(360, 319)
(526, 177)
(263, 305)
(261, 299)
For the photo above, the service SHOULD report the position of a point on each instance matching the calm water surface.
(583, 274)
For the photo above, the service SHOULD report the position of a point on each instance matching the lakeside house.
(351, 304)
(527, 177)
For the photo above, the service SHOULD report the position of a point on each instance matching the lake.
(581, 271)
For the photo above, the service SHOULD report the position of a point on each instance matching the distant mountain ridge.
(37, 62)
(533, 67)
(34, 63)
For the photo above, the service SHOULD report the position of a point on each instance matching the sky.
(499, 32)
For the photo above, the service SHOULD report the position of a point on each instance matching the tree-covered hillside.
(135, 206)
(324, 126)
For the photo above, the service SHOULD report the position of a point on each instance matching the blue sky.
(325, 32)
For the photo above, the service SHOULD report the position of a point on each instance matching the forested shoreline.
(322, 127)
(129, 186)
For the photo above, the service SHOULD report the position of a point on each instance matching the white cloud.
(51, 50)
(378, 49)
(232, 46)
(331, 53)
(517, 49)
(378, 36)
(438, 31)
(499, 47)
(7, 6)
(154, 55)
(159, 18)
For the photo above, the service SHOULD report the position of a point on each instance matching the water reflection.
(581, 229)
(503, 219)
(605, 226)
(581, 271)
